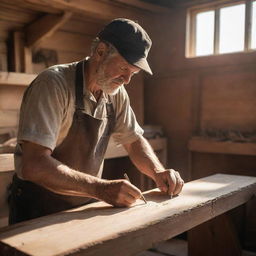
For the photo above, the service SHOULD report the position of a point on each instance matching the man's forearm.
(59, 178)
(41, 168)
(144, 158)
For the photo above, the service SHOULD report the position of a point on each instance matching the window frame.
(191, 26)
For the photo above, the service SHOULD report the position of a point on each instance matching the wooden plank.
(198, 144)
(15, 78)
(19, 15)
(114, 151)
(154, 8)
(9, 118)
(27, 60)
(214, 237)
(99, 228)
(10, 98)
(83, 26)
(18, 51)
(3, 61)
(6, 173)
(45, 27)
(6, 162)
(21, 59)
(21, 6)
(100, 10)
(228, 99)
(74, 42)
(5, 180)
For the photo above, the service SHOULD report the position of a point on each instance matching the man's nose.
(127, 77)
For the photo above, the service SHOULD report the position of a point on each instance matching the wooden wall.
(71, 42)
(187, 95)
(190, 95)
(184, 95)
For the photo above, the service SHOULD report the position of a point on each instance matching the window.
(253, 43)
(222, 28)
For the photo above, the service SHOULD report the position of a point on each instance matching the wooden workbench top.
(99, 229)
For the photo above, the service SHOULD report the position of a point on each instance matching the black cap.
(130, 39)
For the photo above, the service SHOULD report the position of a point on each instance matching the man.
(67, 116)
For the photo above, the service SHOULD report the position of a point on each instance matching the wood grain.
(17, 79)
(197, 144)
(6, 162)
(98, 229)
(45, 27)
(9, 118)
(91, 8)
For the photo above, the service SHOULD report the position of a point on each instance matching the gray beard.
(103, 83)
(110, 91)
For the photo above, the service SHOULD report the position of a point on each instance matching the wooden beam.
(198, 144)
(6, 162)
(17, 79)
(9, 118)
(154, 8)
(91, 8)
(22, 55)
(99, 229)
(44, 27)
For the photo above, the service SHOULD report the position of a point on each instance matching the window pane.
(254, 25)
(204, 33)
(232, 21)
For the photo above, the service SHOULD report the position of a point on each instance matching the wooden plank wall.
(70, 43)
(189, 94)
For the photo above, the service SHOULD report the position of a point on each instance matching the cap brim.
(143, 64)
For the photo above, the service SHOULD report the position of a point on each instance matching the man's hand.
(169, 181)
(120, 193)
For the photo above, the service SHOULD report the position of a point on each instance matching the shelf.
(159, 144)
(113, 151)
(203, 145)
(16, 79)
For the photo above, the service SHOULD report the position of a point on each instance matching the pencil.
(142, 197)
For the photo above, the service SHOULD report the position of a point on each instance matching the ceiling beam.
(154, 8)
(44, 27)
(98, 9)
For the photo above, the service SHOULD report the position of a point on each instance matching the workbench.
(7, 170)
(100, 229)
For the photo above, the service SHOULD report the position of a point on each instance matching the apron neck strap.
(79, 84)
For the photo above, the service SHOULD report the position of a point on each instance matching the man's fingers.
(133, 191)
(179, 183)
(119, 193)
(171, 178)
(170, 181)
(129, 193)
(163, 185)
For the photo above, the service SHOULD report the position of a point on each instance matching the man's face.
(114, 72)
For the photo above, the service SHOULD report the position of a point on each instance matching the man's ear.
(101, 50)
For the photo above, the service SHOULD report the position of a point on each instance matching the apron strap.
(79, 84)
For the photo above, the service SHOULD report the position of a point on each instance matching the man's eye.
(123, 68)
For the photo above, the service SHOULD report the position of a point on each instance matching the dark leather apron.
(83, 149)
